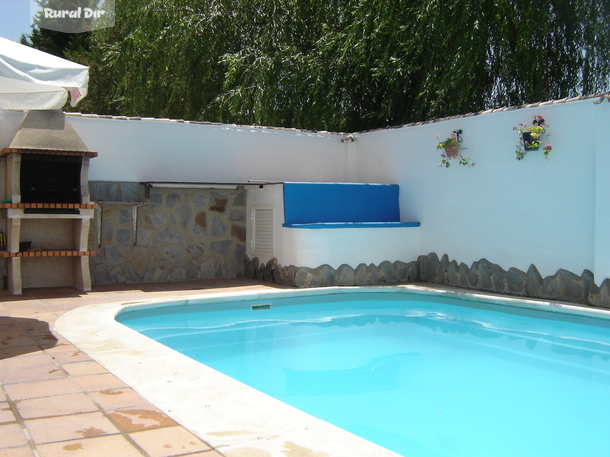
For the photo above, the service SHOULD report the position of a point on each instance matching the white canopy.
(32, 79)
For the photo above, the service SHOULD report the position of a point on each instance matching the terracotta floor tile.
(95, 300)
(38, 373)
(140, 418)
(41, 320)
(7, 324)
(33, 329)
(72, 427)
(11, 435)
(170, 441)
(118, 398)
(7, 352)
(48, 340)
(88, 367)
(27, 361)
(56, 300)
(16, 340)
(58, 405)
(34, 324)
(6, 414)
(11, 332)
(25, 451)
(38, 313)
(59, 312)
(24, 390)
(41, 371)
(46, 336)
(67, 354)
(68, 302)
(39, 330)
(68, 291)
(96, 382)
(61, 348)
(24, 304)
(210, 453)
(108, 287)
(103, 446)
(36, 292)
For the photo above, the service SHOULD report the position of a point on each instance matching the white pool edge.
(229, 415)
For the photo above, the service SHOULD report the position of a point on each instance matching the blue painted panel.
(340, 202)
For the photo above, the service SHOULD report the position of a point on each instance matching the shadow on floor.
(20, 335)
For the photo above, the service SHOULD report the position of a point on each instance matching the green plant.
(451, 150)
(531, 137)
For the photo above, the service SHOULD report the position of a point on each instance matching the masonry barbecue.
(47, 201)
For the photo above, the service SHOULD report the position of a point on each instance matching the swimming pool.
(421, 374)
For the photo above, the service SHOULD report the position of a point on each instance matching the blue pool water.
(423, 376)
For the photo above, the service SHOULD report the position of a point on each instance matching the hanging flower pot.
(531, 141)
(531, 137)
(451, 150)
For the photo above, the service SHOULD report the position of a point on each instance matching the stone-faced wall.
(481, 275)
(484, 275)
(174, 235)
(324, 275)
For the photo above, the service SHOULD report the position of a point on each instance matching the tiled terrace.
(55, 400)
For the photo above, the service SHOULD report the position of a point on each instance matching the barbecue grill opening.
(50, 179)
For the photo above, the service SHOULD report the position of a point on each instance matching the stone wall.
(481, 275)
(173, 235)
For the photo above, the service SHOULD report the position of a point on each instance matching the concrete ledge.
(338, 225)
(351, 245)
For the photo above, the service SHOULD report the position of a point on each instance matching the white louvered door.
(262, 231)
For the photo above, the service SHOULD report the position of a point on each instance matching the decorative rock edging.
(481, 275)
(484, 275)
(384, 273)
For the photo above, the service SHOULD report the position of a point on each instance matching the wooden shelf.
(48, 205)
(50, 253)
(55, 152)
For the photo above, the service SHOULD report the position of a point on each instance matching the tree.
(165, 61)
(348, 65)
(388, 62)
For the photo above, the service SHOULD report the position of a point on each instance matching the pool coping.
(233, 417)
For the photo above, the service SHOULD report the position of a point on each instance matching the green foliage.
(346, 65)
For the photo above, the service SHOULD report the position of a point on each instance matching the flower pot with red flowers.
(532, 137)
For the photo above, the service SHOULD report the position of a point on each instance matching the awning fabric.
(32, 79)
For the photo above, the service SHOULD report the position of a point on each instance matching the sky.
(14, 18)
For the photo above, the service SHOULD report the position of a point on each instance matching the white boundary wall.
(160, 150)
(553, 214)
